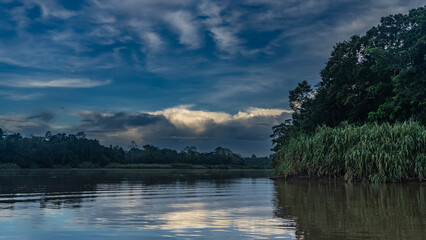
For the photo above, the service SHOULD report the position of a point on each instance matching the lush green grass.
(370, 153)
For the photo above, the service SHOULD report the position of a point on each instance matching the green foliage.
(56, 150)
(370, 152)
(76, 151)
(189, 155)
(377, 77)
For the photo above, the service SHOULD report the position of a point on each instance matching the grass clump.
(370, 153)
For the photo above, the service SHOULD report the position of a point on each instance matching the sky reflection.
(132, 209)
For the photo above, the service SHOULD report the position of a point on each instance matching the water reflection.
(202, 204)
(353, 211)
(54, 188)
(130, 204)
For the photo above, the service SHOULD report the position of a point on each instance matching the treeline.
(76, 151)
(376, 78)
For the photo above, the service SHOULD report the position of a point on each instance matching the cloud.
(116, 121)
(153, 43)
(185, 26)
(260, 112)
(198, 121)
(57, 83)
(45, 116)
(12, 95)
(21, 124)
(173, 127)
(225, 39)
(245, 132)
(50, 8)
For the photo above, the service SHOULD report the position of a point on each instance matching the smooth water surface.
(202, 204)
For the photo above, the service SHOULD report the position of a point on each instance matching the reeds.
(371, 153)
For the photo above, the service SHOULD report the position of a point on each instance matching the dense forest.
(378, 78)
(75, 150)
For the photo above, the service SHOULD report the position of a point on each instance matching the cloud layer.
(57, 83)
(173, 127)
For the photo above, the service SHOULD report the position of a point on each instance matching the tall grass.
(369, 153)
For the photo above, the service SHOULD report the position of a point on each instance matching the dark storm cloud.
(46, 116)
(24, 125)
(116, 121)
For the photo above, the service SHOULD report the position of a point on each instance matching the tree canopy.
(75, 150)
(379, 77)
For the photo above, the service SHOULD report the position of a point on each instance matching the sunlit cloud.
(256, 112)
(182, 117)
(198, 120)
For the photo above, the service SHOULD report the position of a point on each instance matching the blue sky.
(169, 73)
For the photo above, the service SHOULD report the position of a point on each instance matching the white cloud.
(186, 27)
(183, 117)
(256, 112)
(20, 96)
(57, 83)
(199, 121)
(50, 8)
(225, 39)
(153, 41)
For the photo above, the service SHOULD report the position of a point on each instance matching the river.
(202, 204)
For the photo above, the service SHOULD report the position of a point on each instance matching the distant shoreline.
(154, 167)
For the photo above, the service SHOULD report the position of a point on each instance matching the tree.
(380, 76)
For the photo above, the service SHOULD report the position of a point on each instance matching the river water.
(202, 204)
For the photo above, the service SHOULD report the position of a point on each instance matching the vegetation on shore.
(76, 151)
(371, 91)
(371, 152)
